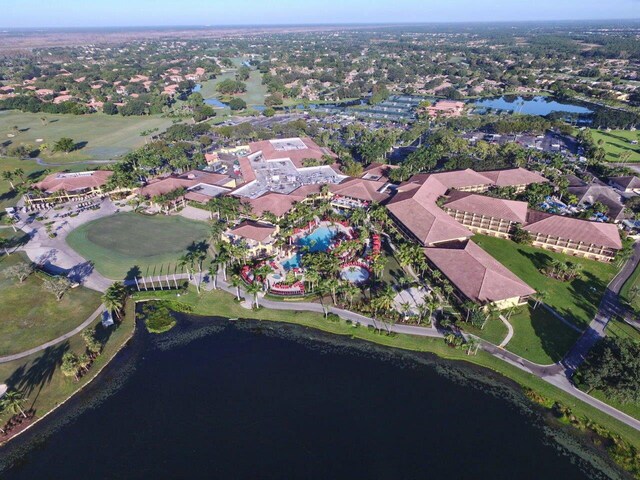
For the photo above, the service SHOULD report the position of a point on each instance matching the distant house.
(627, 184)
(596, 192)
(478, 276)
(258, 239)
(517, 178)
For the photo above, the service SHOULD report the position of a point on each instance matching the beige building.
(486, 215)
(64, 187)
(259, 239)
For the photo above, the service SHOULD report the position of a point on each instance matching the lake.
(530, 106)
(247, 400)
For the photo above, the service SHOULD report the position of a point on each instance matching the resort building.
(478, 276)
(417, 215)
(486, 215)
(64, 187)
(582, 238)
(258, 239)
(199, 186)
(359, 193)
(285, 165)
(517, 178)
(378, 171)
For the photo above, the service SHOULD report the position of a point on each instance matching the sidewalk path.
(55, 341)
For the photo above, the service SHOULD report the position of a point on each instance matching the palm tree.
(114, 298)
(432, 305)
(8, 176)
(214, 267)
(333, 284)
(12, 401)
(473, 344)
(237, 282)
(405, 308)
(254, 289)
(539, 298)
(350, 291)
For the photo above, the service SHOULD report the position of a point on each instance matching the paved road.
(609, 306)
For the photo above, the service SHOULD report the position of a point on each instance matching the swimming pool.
(355, 274)
(319, 240)
(292, 262)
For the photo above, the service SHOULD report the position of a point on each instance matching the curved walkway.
(55, 341)
(507, 339)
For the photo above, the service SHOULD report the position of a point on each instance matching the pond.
(538, 105)
(214, 102)
(245, 399)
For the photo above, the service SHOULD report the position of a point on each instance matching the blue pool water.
(355, 274)
(319, 240)
(214, 102)
(292, 262)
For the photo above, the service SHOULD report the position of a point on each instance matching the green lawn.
(625, 291)
(32, 316)
(103, 137)
(618, 141)
(539, 336)
(494, 330)
(577, 300)
(124, 240)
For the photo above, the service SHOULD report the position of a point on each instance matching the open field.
(494, 330)
(102, 137)
(576, 300)
(118, 243)
(618, 141)
(32, 316)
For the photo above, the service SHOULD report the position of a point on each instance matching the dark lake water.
(531, 106)
(250, 400)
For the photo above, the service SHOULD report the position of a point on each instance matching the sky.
(106, 13)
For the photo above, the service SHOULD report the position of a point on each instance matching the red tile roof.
(577, 230)
(361, 189)
(70, 182)
(310, 149)
(477, 274)
(513, 177)
(489, 206)
(253, 231)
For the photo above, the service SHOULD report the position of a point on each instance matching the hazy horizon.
(32, 14)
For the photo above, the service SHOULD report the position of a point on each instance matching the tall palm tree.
(237, 282)
(254, 289)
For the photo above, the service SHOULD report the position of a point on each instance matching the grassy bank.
(40, 379)
(616, 142)
(218, 303)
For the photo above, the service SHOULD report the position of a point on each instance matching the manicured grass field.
(104, 137)
(31, 316)
(124, 240)
(494, 330)
(577, 300)
(618, 141)
(539, 336)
